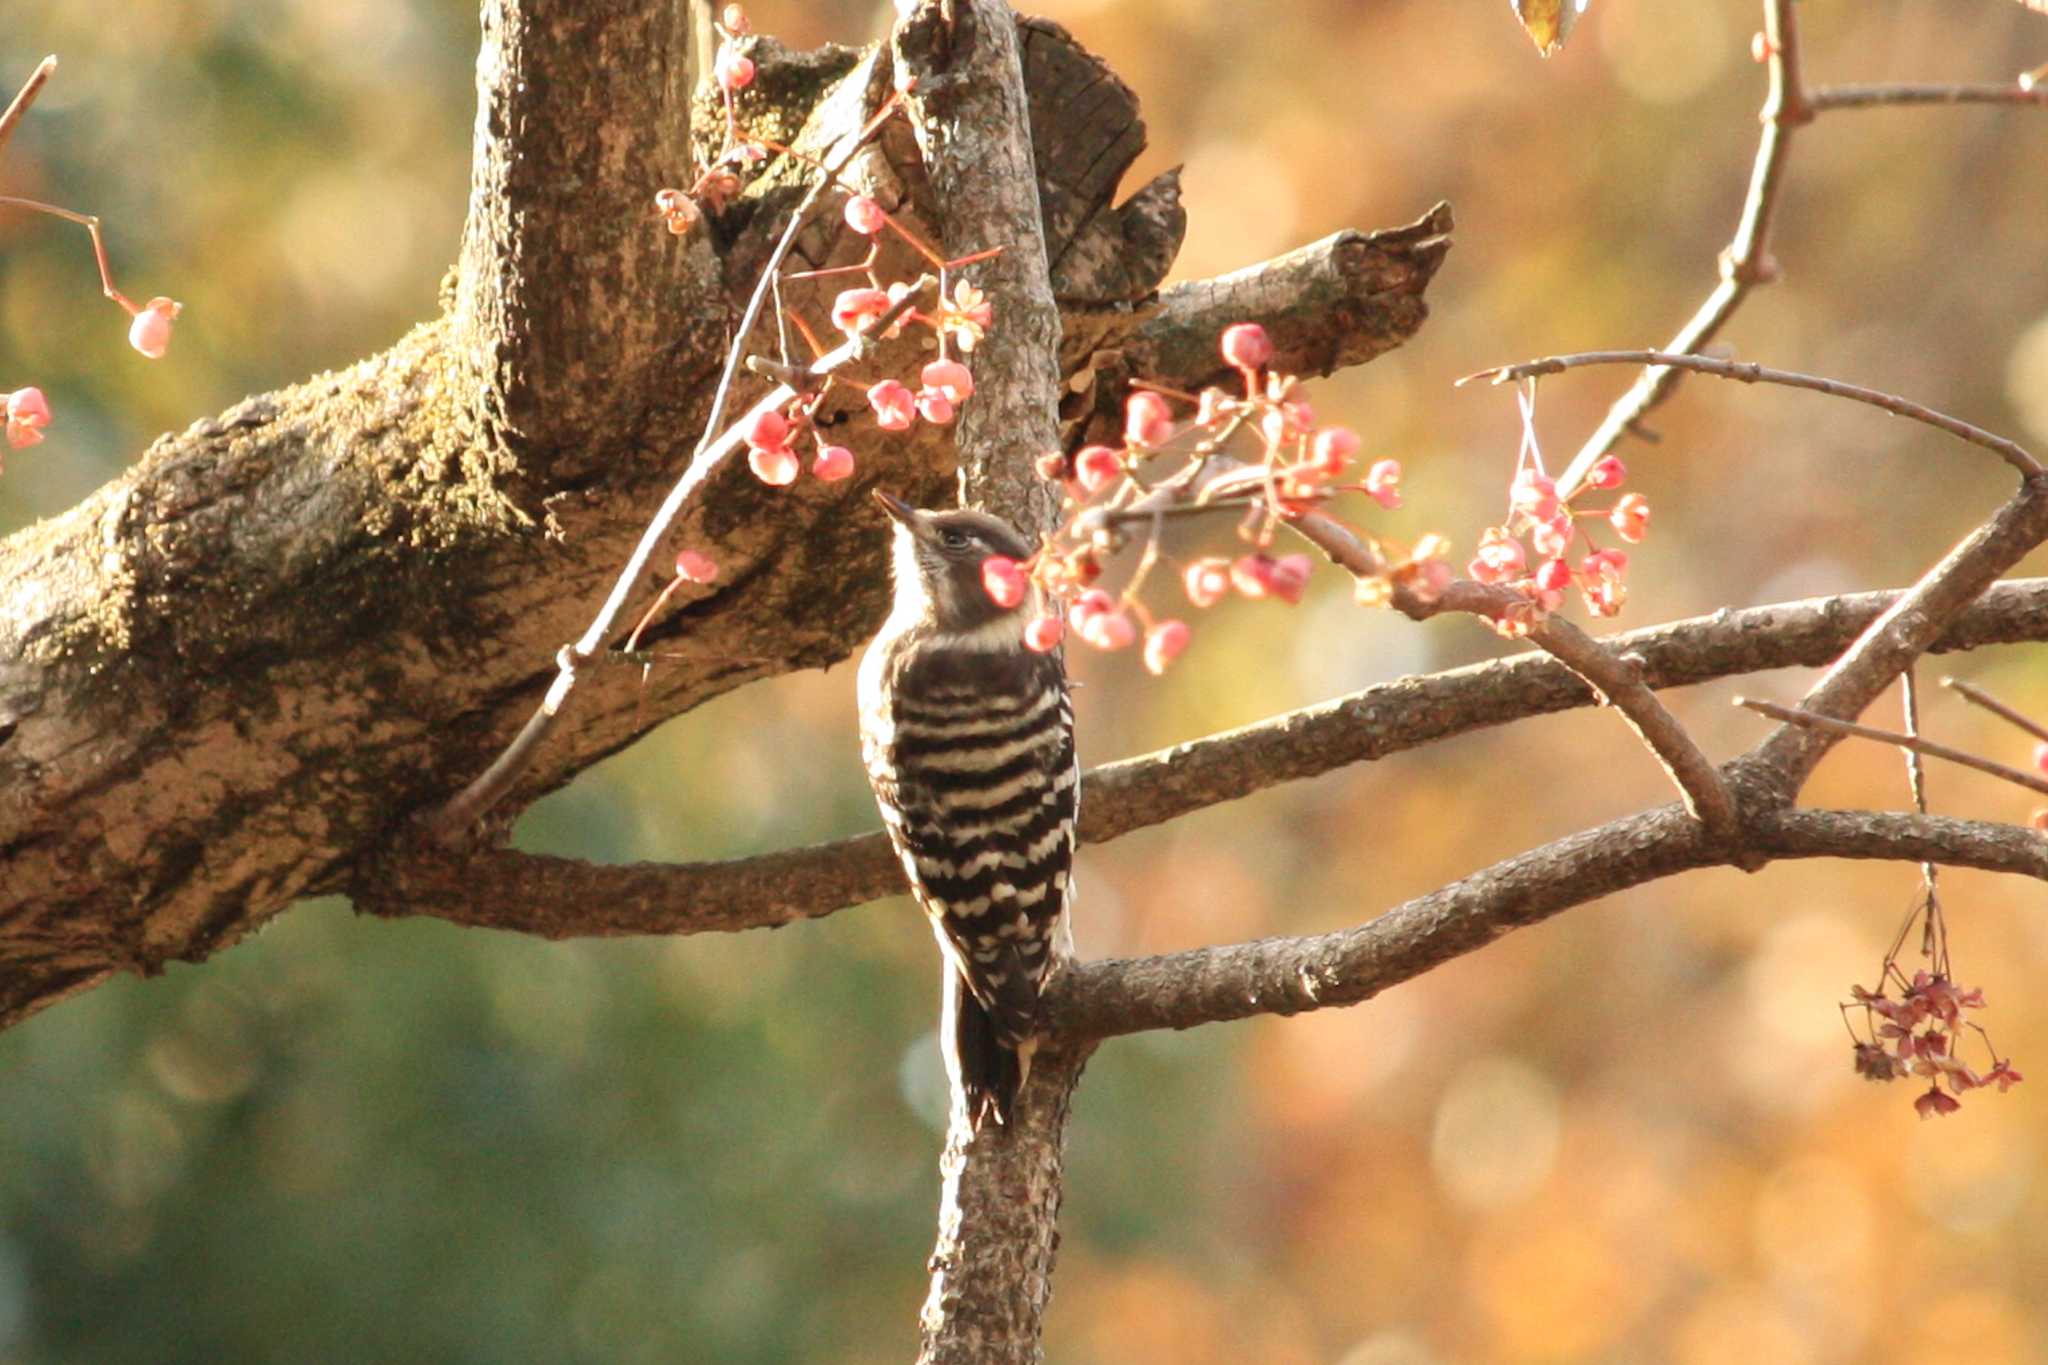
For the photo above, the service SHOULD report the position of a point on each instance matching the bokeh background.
(1631, 1134)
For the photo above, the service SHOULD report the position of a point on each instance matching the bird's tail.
(986, 1062)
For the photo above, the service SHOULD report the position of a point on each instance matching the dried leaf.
(1549, 22)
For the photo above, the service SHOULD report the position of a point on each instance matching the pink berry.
(694, 567)
(1252, 575)
(1206, 581)
(2041, 757)
(855, 308)
(934, 407)
(895, 407)
(833, 463)
(1554, 537)
(1097, 467)
(734, 72)
(864, 215)
(767, 430)
(1604, 564)
(1290, 577)
(28, 412)
(1631, 517)
(1383, 483)
(1089, 605)
(1148, 421)
(775, 465)
(1004, 580)
(1333, 448)
(1500, 557)
(1553, 575)
(1043, 634)
(150, 333)
(949, 377)
(1609, 473)
(1246, 346)
(1164, 642)
(1108, 630)
(1534, 495)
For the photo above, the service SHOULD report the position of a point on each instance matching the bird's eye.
(954, 540)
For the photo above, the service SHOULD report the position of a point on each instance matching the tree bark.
(186, 747)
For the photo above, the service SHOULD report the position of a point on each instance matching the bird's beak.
(897, 508)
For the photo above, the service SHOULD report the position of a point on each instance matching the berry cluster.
(1552, 562)
(1919, 1034)
(1170, 464)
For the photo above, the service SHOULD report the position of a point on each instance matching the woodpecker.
(968, 738)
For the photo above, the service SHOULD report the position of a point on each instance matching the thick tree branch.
(1291, 975)
(1325, 306)
(961, 64)
(568, 295)
(565, 898)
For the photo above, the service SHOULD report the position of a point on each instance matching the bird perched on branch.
(968, 738)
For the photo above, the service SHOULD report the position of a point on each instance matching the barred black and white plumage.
(968, 737)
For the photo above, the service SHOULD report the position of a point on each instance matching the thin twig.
(1745, 262)
(1977, 696)
(1916, 772)
(99, 245)
(2009, 451)
(480, 795)
(1874, 96)
(26, 96)
(1792, 715)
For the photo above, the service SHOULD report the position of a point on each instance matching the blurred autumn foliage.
(1631, 1134)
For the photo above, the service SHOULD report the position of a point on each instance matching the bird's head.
(938, 559)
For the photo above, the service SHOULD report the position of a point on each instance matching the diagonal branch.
(1904, 631)
(1619, 683)
(1792, 715)
(1293, 975)
(1746, 261)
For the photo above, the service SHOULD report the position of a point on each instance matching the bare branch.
(1905, 630)
(1620, 684)
(1292, 975)
(1326, 306)
(2010, 451)
(1794, 716)
(1979, 697)
(1874, 96)
(25, 97)
(1746, 261)
(564, 898)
